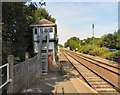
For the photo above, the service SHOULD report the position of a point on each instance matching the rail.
(8, 79)
(113, 85)
(99, 61)
(77, 70)
(91, 60)
(20, 76)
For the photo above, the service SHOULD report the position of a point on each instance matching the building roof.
(43, 23)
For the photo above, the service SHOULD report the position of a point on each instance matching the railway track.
(108, 63)
(95, 80)
(112, 68)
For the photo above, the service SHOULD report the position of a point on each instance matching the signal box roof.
(43, 23)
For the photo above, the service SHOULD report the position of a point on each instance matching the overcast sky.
(75, 18)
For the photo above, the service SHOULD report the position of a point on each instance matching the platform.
(55, 83)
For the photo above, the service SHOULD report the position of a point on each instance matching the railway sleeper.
(95, 80)
(102, 86)
(98, 83)
(93, 77)
(106, 90)
(87, 73)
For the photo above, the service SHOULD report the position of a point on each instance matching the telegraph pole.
(93, 32)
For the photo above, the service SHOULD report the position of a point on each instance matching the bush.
(105, 55)
(86, 48)
(114, 55)
(99, 51)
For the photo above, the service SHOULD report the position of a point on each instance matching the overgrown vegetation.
(100, 48)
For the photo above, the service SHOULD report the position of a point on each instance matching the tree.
(17, 34)
(13, 37)
(117, 36)
(42, 13)
(109, 41)
(97, 41)
(73, 43)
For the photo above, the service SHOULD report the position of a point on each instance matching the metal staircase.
(43, 52)
(44, 55)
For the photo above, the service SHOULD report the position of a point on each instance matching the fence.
(7, 80)
(22, 74)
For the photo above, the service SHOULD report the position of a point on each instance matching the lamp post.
(93, 32)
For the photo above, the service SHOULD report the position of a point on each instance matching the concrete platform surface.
(55, 83)
(74, 85)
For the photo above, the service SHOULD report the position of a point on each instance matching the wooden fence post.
(27, 62)
(10, 85)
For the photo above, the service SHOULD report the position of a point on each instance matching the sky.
(76, 18)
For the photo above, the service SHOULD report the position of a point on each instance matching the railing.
(8, 79)
(21, 75)
(52, 36)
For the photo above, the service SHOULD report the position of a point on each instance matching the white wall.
(51, 44)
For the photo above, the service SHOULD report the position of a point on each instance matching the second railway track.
(115, 69)
(97, 82)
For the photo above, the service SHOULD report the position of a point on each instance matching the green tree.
(109, 41)
(15, 28)
(97, 41)
(73, 43)
(42, 13)
(17, 34)
(117, 35)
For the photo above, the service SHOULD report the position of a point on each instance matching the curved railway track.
(94, 79)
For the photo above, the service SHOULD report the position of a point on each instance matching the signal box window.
(35, 31)
(50, 29)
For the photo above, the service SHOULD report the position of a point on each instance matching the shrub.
(105, 55)
(114, 55)
(86, 48)
(99, 51)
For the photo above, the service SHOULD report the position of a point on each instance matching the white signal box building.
(46, 28)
